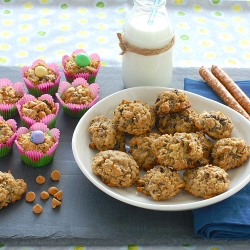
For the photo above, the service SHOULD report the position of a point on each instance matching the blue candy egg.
(37, 136)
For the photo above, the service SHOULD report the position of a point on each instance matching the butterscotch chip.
(37, 209)
(44, 195)
(40, 179)
(55, 203)
(55, 175)
(58, 195)
(30, 196)
(52, 190)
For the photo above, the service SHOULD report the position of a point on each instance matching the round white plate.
(183, 201)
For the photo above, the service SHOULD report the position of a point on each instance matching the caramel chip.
(58, 195)
(55, 203)
(52, 190)
(40, 179)
(44, 195)
(55, 175)
(37, 209)
(30, 196)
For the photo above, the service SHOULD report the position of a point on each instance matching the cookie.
(206, 182)
(104, 135)
(140, 149)
(230, 153)
(116, 168)
(171, 101)
(134, 117)
(161, 183)
(215, 124)
(179, 151)
(182, 122)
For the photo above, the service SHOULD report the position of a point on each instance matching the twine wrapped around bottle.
(126, 46)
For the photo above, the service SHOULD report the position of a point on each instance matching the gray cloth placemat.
(87, 215)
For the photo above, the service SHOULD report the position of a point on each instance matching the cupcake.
(81, 65)
(37, 145)
(41, 78)
(7, 135)
(78, 97)
(42, 109)
(10, 94)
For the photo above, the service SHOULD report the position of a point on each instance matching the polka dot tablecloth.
(207, 32)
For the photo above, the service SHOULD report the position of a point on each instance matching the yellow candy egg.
(40, 71)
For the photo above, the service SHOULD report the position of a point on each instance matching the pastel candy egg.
(37, 136)
(82, 60)
(40, 71)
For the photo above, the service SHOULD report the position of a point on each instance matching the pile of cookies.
(177, 147)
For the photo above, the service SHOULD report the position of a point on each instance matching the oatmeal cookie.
(104, 135)
(161, 183)
(171, 101)
(140, 149)
(182, 121)
(206, 182)
(25, 141)
(6, 131)
(230, 153)
(179, 151)
(50, 75)
(116, 168)
(11, 189)
(78, 95)
(134, 117)
(8, 95)
(37, 109)
(215, 124)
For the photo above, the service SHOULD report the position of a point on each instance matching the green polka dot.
(7, 1)
(100, 5)
(79, 248)
(3, 60)
(215, 1)
(217, 13)
(41, 33)
(186, 245)
(185, 37)
(6, 12)
(64, 6)
(132, 247)
(181, 13)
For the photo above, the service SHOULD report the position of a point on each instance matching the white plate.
(83, 154)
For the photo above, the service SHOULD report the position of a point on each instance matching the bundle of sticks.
(226, 89)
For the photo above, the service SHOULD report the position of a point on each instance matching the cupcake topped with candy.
(82, 65)
(41, 78)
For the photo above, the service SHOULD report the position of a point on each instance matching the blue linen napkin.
(230, 218)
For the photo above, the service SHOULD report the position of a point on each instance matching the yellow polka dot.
(237, 8)
(44, 21)
(238, 19)
(183, 25)
(64, 16)
(82, 10)
(120, 21)
(102, 52)
(186, 49)
(206, 43)
(83, 21)
(225, 36)
(61, 39)
(81, 45)
(201, 19)
(121, 10)
(102, 27)
(102, 15)
(40, 48)
(203, 31)
(6, 33)
(7, 22)
(232, 61)
(3, 59)
(44, 1)
(245, 42)
(210, 55)
(23, 39)
(178, 1)
(229, 49)
(197, 8)
(242, 30)
(189, 63)
(28, 5)
(104, 64)
(46, 11)
(64, 27)
(25, 16)
(60, 52)
(248, 56)
(83, 33)
(101, 39)
(25, 27)
(22, 53)
(222, 24)
(4, 46)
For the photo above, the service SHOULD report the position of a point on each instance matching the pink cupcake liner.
(9, 110)
(5, 148)
(46, 86)
(74, 109)
(48, 120)
(36, 157)
(89, 77)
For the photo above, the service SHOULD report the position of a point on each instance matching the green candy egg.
(82, 60)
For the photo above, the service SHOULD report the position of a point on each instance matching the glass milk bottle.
(147, 44)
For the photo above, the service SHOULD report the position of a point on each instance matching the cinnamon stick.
(221, 91)
(232, 87)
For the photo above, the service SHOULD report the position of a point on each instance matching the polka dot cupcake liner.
(33, 157)
(5, 148)
(89, 77)
(77, 110)
(49, 120)
(9, 110)
(46, 87)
